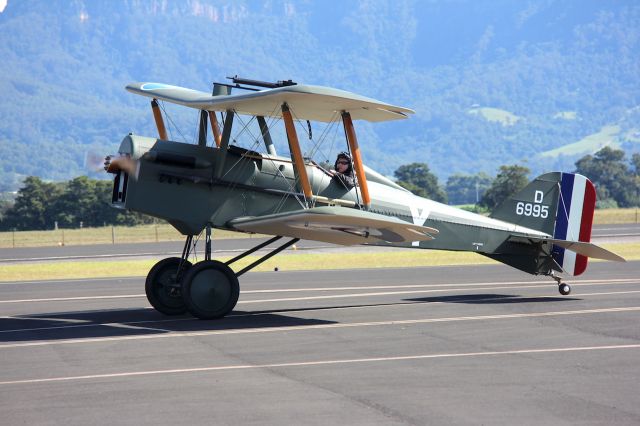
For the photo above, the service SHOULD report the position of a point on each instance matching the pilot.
(344, 170)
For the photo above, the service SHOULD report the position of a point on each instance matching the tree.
(509, 180)
(89, 201)
(5, 206)
(417, 178)
(76, 204)
(635, 160)
(33, 206)
(611, 176)
(39, 205)
(467, 189)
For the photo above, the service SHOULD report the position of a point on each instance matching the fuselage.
(191, 186)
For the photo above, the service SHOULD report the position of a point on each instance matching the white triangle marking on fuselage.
(419, 216)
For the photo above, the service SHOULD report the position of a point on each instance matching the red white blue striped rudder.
(573, 220)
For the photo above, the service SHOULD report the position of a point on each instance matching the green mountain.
(492, 82)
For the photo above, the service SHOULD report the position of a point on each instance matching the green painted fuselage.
(191, 186)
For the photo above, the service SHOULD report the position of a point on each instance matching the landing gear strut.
(208, 289)
(563, 288)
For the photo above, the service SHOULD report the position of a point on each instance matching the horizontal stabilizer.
(578, 247)
(336, 225)
(315, 103)
(589, 250)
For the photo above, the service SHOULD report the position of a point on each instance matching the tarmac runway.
(439, 345)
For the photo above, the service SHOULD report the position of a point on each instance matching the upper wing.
(314, 103)
(337, 225)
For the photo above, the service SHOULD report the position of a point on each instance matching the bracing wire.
(566, 210)
(245, 129)
(166, 113)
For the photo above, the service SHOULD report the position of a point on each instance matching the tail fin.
(558, 204)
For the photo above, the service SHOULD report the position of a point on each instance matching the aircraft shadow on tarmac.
(490, 299)
(145, 321)
(131, 322)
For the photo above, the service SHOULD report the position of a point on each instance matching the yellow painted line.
(320, 363)
(259, 330)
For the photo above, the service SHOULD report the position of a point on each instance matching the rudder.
(574, 220)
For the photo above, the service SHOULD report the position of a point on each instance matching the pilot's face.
(343, 165)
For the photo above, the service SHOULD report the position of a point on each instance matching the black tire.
(163, 292)
(210, 289)
(564, 289)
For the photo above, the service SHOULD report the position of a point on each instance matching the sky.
(3, 4)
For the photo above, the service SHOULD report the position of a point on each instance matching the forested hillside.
(537, 83)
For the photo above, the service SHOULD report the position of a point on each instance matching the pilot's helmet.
(345, 156)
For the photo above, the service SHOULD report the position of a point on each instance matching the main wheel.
(162, 288)
(564, 289)
(210, 289)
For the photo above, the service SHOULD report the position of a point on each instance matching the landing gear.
(563, 288)
(163, 285)
(208, 289)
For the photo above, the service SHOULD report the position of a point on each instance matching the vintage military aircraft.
(544, 229)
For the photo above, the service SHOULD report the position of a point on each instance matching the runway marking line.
(84, 323)
(391, 293)
(321, 363)
(257, 330)
(497, 286)
(292, 290)
(71, 280)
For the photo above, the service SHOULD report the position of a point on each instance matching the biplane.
(544, 229)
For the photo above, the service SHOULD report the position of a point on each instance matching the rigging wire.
(256, 142)
(292, 190)
(166, 113)
(566, 215)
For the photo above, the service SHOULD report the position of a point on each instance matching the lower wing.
(336, 225)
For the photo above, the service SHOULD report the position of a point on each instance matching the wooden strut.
(157, 116)
(215, 128)
(296, 154)
(357, 159)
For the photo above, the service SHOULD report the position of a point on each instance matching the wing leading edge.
(336, 225)
(315, 103)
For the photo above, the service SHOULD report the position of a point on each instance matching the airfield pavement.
(438, 345)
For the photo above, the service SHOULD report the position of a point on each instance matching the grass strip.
(104, 235)
(291, 261)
